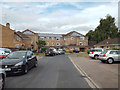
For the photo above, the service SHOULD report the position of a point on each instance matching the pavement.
(52, 72)
(101, 74)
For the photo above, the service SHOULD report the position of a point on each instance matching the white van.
(94, 53)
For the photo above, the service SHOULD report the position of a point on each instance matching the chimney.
(8, 25)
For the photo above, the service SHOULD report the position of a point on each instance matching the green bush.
(115, 49)
(34, 51)
(21, 48)
(69, 52)
(43, 50)
(88, 51)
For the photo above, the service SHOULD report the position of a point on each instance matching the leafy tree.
(105, 29)
(41, 43)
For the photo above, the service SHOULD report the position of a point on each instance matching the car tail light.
(92, 52)
(104, 55)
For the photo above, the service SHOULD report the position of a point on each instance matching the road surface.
(52, 72)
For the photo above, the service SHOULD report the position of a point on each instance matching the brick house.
(33, 36)
(14, 40)
(27, 39)
(70, 41)
(109, 44)
(9, 38)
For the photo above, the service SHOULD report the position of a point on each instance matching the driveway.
(102, 74)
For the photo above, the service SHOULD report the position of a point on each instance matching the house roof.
(30, 31)
(70, 33)
(91, 43)
(23, 36)
(49, 35)
(110, 41)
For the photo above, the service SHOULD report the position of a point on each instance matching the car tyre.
(110, 61)
(96, 57)
(26, 69)
(36, 64)
(3, 82)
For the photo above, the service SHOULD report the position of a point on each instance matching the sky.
(56, 17)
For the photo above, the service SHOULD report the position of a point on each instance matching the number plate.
(7, 69)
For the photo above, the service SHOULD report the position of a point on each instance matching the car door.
(118, 55)
(114, 55)
(29, 59)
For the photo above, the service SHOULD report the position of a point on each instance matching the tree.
(105, 29)
(41, 43)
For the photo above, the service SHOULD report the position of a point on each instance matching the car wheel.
(96, 57)
(26, 69)
(103, 61)
(3, 82)
(36, 64)
(110, 61)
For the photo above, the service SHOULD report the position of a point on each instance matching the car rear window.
(104, 52)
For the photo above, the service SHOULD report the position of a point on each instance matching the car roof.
(113, 50)
(22, 51)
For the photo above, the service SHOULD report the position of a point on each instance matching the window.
(81, 43)
(17, 46)
(47, 38)
(52, 38)
(107, 47)
(82, 38)
(42, 38)
(47, 44)
(52, 44)
(113, 52)
(18, 38)
(72, 38)
(57, 39)
(71, 48)
(118, 52)
(117, 47)
(64, 38)
(58, 44)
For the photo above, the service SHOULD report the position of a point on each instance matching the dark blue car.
(50, 52)
(19, 62)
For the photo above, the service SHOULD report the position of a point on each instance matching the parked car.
(110, 56)
(2, 78)
(61, 51)
(94, 53)
(76, 51)
(50, 52)
(19, 62)
(4, 52)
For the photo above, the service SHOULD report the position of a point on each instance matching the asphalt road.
(52, 72)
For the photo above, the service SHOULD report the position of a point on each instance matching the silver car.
(110, 56)
(2, 78)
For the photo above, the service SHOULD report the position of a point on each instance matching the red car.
(4, 52)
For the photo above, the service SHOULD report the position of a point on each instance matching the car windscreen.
(16, 55)
(96, 50)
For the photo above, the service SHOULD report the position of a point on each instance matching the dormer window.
(57, 39)
(82, 38)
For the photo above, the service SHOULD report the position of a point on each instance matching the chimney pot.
(8, 25)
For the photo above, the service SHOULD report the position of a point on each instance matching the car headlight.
(18, 64)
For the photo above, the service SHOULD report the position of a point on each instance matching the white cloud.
(61, 21)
